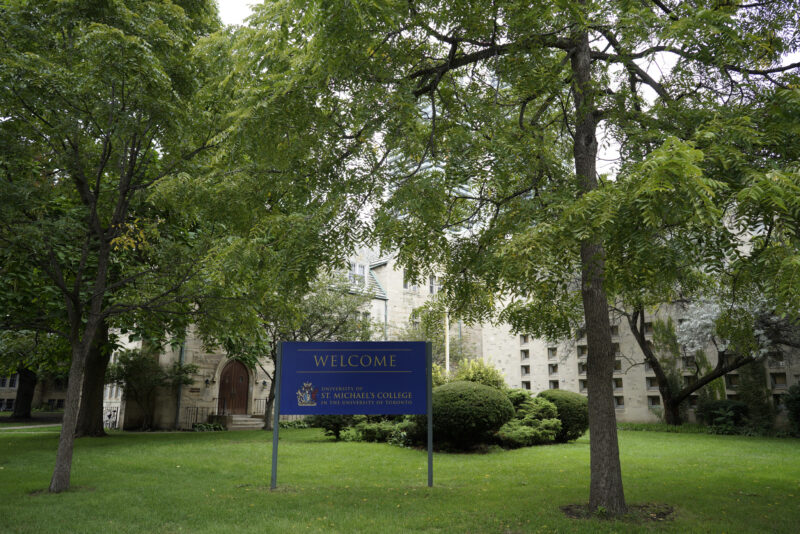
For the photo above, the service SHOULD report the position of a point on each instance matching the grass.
(218, 482)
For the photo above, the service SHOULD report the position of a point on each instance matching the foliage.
(685, 428)
(438, 375)
(139, 373)
(722, 411)
(467, 413)
(792, 403)
(535, 421)
(333, 425)
(297, 423)
(426, 323)
(572, 411)
(480, 372)
(754, 392)
(207, 427)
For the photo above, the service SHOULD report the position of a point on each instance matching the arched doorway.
(234, 384)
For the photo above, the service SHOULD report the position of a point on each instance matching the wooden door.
(233, 387)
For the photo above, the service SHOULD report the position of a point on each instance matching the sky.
(234, 11)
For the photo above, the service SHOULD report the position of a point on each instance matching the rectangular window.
(732, 381)
(433, 284)
(9, 404)
(583, 351)
(60, 404)
(526, 370)
(778, 380)
(777, 402)
(732, 396)
(524, 354)
(614, 329)
(615, 348)
(12, 381)
(3, 381)
(648, 328)
(526, 385)
(552, 353)
(580, 333)
(647, 366)
(617, 383)
(653, 400)
(693, 401)
(651, 382)
(409, 284)
(617, 366)
(552, 369)
(582, 368)
(554, 384)
(619, 402)
(689, 380)
(51, 404)
(523, 338)
(582, 384)
(689, 362)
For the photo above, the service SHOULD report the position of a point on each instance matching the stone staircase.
(246, 422)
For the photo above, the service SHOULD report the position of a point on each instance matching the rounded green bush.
(573, 411)
(468, 413)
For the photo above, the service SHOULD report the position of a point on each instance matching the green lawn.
(218, 482)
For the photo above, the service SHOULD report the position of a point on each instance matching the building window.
(647, 366)
(614, 329)
(433, 284)
(615, 348)
(60, 404)
(617, 366)
(409, 284)
(9, 404)
(617, 383)
(732, 396)
(3, 381)
(554, 384)
(523, 338)
(582, 368)
(689, 380)
(693, 401)
(619, 402)
(777, 402)
(12, 381)
(583, 351)
(524, 354)
(653, 400)
(651, 382)
(778, 380)
(648, 328)
(526, 370)
(689, 362)
(552, 369)
(526, 385)
(552, 353)
(357, 273)
(732, 381)
(580, 333)
(582, 384)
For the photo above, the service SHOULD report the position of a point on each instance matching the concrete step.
(246, 422)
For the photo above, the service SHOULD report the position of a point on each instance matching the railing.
(259, 405)
(195, 414)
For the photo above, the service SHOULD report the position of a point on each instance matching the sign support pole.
(429, 373)
(276, 423)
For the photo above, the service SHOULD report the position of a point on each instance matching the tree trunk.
(90, 417)
(605, 490)
(672, 413)
(269, 406)
(66, 441)
(25, 388)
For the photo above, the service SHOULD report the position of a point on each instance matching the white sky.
(234, 11)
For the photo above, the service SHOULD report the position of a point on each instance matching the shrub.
(467, 413)
(792, 403)
(438, 378)
(332, 424)
(524, 433)
(721, 412)
(481, 373)
(518, 397)
(537, 408)
(374, 432)
(573, 412)
(207, 427)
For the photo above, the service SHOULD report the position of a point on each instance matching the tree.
(427, 323)
(100, 103)
(476, 106)
(139, 373)
(332, 309)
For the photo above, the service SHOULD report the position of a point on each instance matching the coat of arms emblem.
(307, 395)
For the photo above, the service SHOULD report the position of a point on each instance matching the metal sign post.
(276, 417)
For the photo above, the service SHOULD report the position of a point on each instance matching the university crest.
(307, 395)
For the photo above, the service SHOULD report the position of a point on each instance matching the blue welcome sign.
(354, 378)
(349, 378)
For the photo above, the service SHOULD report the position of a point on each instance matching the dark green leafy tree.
(475, 108)
(100, 102)
(141, 376)
(331, 309)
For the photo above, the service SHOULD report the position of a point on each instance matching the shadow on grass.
(637, 513)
